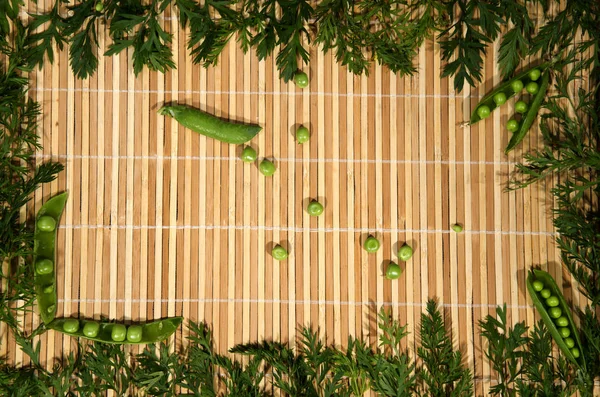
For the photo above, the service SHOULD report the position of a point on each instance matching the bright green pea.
(535, 74)
(537, 285)
(134, 333)
(564, 332)
(555, 312)
(552, 301)
(405, 252)
(483, 111)
(301, 79)
(512, 125)
(521, 107)
(266, 167)
(71, 325)
(46, 223)
(562, 321)
(248, 155)
(393, 271)
(532, 87)
(91, 329)
(569, 342)
(545, 293)
(44, 266)
(51, 309)
(314, 208)
(118, 332)
(100, 7)
(279, 253)
(575, 352)
(500, 98)
(302, 135)
(371, 244)
(457, 228)
(517, 86)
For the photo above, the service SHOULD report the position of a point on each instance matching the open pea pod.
(44, 255)
(507, 89)
(151, 332)
(542, 308)
(530, 116)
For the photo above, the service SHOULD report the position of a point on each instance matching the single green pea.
(562, 321)
(512, 125)
(457, 228)
(500, 98)
(301, 79)
(302, 134)
(538, 285)
(405, 252)
(279, 253)
(51, 309)
(393, 271)
(44, 266)
(248, 155)
(555, 312)
(535, 74)
(134, 333)
(46, 223)
(371, 244)
(267, 168)
(575, 352)
(564, 332)
(118, 332)
(545, 293)
(521, 107)
(71, 325)
(532, 87)
(99, 7)
(314, 208)
(569, 342)
(552, 301)
(483, 111)
(517, 86)
(48, 289)
(91, 329)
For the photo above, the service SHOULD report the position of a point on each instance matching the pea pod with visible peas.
(44, 255)
(530, 115)
(502, 93)
(209, 125)
(557, 317)
(116, 333)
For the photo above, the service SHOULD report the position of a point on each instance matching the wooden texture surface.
(164, 222)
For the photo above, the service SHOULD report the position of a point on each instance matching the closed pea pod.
(561, 327)
(211, 126)
(44, 255)
(116, 333)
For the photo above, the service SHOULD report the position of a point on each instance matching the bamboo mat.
(163, 222)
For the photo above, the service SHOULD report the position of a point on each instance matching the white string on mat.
(307, 229)
(295, 302)
(234, 92)
(282, 160)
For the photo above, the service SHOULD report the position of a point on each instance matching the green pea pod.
(209, 125)
(44, 255)
(530, 116)
(506, 89)
(152, 332)
(542, 309)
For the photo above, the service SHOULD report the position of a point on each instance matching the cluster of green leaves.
(358, 32)
(313, 369)
(20, 178)
(524, 363)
